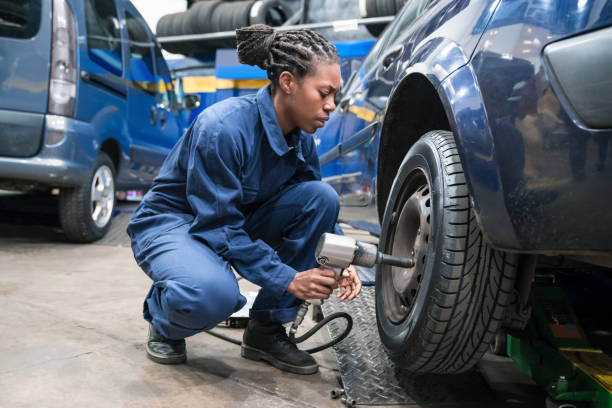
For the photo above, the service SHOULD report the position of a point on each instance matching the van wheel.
(440, 315)
(86, 211)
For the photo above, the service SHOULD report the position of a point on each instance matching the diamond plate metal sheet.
(117, 235)
(370, 377)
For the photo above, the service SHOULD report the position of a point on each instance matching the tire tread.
(482, 280)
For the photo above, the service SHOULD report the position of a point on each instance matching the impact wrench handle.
(299, 317)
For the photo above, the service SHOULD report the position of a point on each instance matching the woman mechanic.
(242, 188)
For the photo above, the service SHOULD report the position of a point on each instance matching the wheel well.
(414, 109)
(111, 147)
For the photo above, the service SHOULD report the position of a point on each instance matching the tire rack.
(338, 25)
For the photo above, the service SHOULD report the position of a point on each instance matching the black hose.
(308, 334)
(224, 337)
(317, 327)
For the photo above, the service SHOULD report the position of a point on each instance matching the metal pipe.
(305, 9)
(338, 25)
(395, 260)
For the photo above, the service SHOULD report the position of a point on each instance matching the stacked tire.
(379, 8)
(211, 16)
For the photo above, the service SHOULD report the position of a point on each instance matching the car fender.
(445, 65)
(462, 100)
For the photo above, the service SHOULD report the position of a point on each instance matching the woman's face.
(313, 99)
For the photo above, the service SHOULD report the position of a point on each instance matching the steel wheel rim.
(102, 196)
(409, 238)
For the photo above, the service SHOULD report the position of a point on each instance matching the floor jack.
(555, 352)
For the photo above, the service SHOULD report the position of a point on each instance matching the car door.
(363, 108)
(147, 151)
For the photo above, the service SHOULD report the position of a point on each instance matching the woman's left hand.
(349, 284)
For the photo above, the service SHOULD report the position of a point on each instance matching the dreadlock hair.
(294, 51)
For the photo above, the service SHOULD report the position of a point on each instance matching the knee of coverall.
(202, 304)
(324, 198)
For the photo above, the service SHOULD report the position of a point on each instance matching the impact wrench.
(337, 252)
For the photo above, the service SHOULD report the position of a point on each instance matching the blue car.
(475, 138)
(86, 105)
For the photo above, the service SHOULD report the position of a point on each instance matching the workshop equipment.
(337, 252)
(555, 351)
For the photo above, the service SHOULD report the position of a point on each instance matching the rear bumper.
(65, 158)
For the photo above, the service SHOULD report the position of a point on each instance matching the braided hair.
(294, 51)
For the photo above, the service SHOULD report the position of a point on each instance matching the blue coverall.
(233, 191)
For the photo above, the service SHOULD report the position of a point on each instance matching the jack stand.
(555, 352)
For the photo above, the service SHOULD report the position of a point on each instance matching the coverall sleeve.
(214, 191)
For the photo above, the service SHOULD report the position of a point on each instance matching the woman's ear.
(287, 82)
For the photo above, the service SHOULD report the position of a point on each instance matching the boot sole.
(254, 354)
(164, 359)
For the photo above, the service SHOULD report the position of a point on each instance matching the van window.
(142, 73)
(19, 18)
(103, 34)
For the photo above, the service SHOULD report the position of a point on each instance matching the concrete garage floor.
(73, 335)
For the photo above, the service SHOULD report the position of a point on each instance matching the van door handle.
(153, 115)
(162, 118)
(392, 55)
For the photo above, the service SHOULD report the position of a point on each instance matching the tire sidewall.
(398, 338)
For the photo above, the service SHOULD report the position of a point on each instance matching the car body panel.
(540, 200)
(423, 49)
(549, 164)
(24, 68)
(138, 130)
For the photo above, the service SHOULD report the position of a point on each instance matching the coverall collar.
(271, 127)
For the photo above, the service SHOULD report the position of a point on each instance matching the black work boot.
(163, 350)
(269, 342)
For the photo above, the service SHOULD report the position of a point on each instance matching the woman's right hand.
(316, 283)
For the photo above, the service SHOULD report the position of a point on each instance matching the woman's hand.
(349, 284)
(316, 283)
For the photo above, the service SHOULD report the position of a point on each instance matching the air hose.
(308, 334)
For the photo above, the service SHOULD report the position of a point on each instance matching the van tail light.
(62, 85)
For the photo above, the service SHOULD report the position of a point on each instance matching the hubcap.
(409, 238)
(102, 196)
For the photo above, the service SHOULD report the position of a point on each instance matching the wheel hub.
(102, 196)
(410, 239)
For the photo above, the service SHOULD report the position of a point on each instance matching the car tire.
(269, 12)
(441, 315)
(203, 12)
(380, 8)
(161, 29)
(86, 211)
